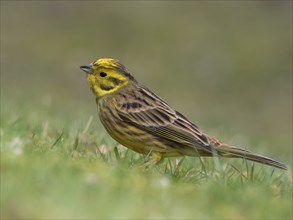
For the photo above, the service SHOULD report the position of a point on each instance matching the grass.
(59, 168)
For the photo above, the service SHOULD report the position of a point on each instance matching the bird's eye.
(103, 74)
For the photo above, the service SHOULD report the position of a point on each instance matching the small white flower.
(91, 178)
(16, 146)
(162, 182)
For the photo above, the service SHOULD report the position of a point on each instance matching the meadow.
(227, 66)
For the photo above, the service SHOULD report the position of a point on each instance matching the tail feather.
(231, 151)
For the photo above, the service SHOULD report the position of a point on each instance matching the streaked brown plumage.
(143, 122)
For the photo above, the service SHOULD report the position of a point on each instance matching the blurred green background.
(227, 65)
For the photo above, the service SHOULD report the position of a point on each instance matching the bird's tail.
(236, 152)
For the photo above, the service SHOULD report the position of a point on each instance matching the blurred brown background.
(226, 65)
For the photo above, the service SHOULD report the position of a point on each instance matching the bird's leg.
(156, 158)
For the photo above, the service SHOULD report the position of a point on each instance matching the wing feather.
(149, 112)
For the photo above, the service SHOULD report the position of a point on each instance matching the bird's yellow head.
(106, 76)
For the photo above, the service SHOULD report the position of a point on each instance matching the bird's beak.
(87, 68)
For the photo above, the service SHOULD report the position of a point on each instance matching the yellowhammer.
(140, 120)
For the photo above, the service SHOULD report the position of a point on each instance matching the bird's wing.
(142, 108)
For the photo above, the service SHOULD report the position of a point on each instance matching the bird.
(140, 120)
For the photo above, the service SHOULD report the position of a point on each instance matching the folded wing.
(144, 109)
